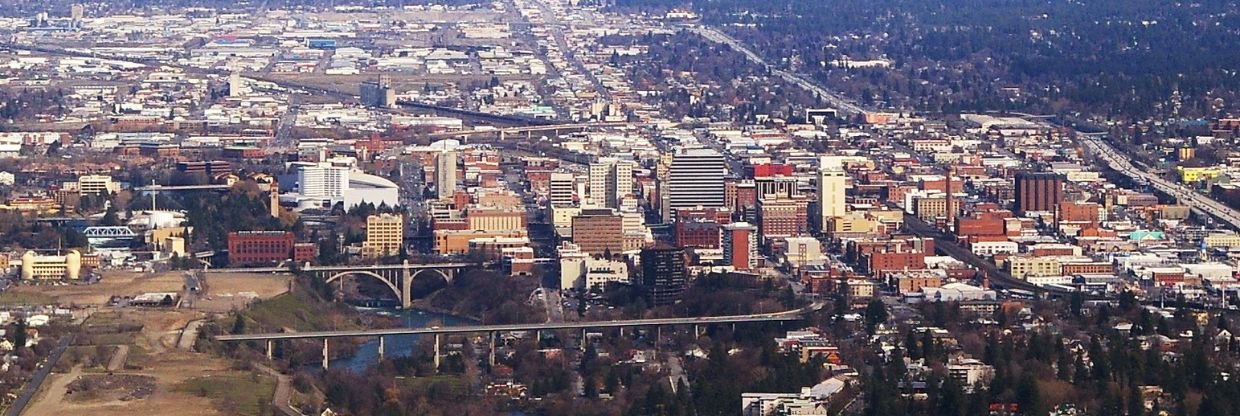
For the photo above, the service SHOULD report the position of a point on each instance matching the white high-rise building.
(695, 179)
(322, 181)
(445, 174)
(611, 182)
(831, 185)
(561, 189)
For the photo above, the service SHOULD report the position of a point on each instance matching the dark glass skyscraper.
(663, 274)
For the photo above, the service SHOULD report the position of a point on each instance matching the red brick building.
(1082, 212)
(697, 233)
(783, 217)
(890, 261)
(248, 247)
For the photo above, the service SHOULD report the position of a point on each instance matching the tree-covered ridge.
(1114, 58)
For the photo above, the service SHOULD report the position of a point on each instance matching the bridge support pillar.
(494, 340)
(658, 336)
(406, 286)
(268, 350)
(380, 348)
(436, 353)
(501, 135)
(696, 331)
(325, 359)
(583, 339)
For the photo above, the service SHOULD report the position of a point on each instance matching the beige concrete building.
(385, 233)
(1022, 267)
(40, 267)
(490, 219)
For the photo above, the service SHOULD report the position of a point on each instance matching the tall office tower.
(663, 274)
(831, 185)
(740, 245)
(695, 179)
(445, 174)
(235, 86)
(611, 182)
(76, 12)
(1038, 191)
(596, 193)
(620, 184)
(321, 181)
(561, 189)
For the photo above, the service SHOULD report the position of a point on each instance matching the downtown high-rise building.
(1038, 192)
(663, 274)
(445, 174)
(739, 242)
(695, 179)
(832, 182)
(611, 183)
(561, 189)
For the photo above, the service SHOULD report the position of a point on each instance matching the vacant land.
(113, 283)
(226, 290)
(229, 291)
(234, 394)
(22, 298)
(110, 387)
(159, 397)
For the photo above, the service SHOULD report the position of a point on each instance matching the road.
(40, 376)
(998, 277)
(840, 103)
(791, 315)
(118, 358)
(1120, 163)
(189, 336)
(357, 267)
(552, 21)
(284, 391)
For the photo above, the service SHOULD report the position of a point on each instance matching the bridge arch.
(386, 281)
(407, 284)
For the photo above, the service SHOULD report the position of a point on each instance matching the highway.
(1120, 163)
(998, 276)
(174, 188)
(841, 104)
(791, 315)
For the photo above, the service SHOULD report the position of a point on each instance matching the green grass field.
(248, 395)
(298, 310)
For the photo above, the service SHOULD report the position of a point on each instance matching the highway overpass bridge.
(397, 277)
(493, 330)
(528, 131)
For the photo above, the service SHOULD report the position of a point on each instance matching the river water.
(395, 345)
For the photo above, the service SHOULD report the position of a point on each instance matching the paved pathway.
(40, 375)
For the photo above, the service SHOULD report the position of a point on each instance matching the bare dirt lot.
(109, 387)
(151, 374)
(227, 291)
(113, 283)
(161, 380)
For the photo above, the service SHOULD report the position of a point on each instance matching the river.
(394, 345)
